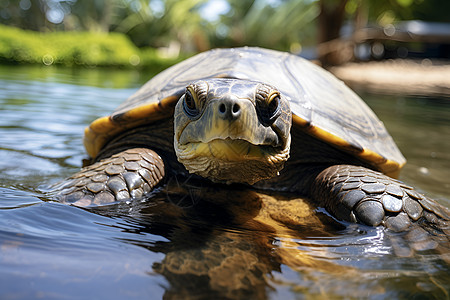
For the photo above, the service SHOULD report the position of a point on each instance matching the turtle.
(258, 119)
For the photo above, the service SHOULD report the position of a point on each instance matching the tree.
(274, 24)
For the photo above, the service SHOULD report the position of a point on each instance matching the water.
(151, 249)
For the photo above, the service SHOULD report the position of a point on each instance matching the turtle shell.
(321, 104)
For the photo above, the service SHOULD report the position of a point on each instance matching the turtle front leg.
(129, 174)
(358, 194)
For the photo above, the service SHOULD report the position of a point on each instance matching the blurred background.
(332, 31)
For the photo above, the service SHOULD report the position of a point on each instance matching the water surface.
(150, 249)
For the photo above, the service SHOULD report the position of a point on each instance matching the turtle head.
(232, 130)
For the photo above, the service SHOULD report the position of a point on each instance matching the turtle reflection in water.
(263, 121)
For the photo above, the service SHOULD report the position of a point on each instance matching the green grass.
(76, 49)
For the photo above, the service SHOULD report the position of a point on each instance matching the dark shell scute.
(131, 156)
(432, 218)
(373, 188)
(138, 193)
(350, 186)
(118, 160)
(406, 187)
(131, 165)
(413, 208)
(114, 169)
(359, 174)
(337, 188)
(145, 164)
(370, 212)
(116, 184)
(427, 204)
(343, 213)
(74, 197)
(122, 195)
(413, 194)
(391, 203)
(86, 200)
(394, 190)
(353, 179)
(436, 208)
(148, 158)
(77, 175)
(145, 174)
(99, 178)
(133, 180)
(104, 198)
(95, 187)
(398, 223)
(89, 173)
(340, 179)
(146, 187)
(67, 191)
(134, 151)
(352, 198)
(82, 182)
(368, 179)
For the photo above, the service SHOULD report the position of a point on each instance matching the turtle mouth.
(230, 160)
(229, 149)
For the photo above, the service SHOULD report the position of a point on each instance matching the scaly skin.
(358, 194)
(128, 174)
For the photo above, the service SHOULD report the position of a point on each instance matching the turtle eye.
(189, 100)
(189, 104)
(269, 109)
(272, 104)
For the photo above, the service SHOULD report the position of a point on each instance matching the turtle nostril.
(236, 108)
(222, 108)
(229, 109)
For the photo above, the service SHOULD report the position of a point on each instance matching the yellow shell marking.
(387, 166)
(101, 130)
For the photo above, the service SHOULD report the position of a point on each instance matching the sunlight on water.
(151, 249)
(421, 129)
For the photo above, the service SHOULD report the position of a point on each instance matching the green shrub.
(156, 62)
(75, 48)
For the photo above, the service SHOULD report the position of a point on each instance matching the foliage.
(281, 25)
(157, 23)
(185, 26)
(153, 23)
(388, 11)
(75, 48)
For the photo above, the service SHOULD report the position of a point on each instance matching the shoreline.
(430, 78)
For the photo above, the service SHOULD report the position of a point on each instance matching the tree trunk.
(331, 18)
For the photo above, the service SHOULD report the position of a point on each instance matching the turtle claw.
(358, 194)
